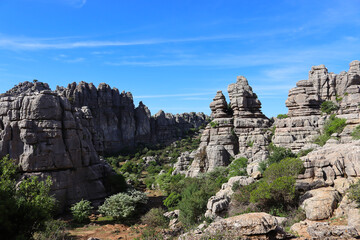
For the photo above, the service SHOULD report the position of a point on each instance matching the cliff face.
(61, 133)
(304, 101)
(238, 130)
(115, 123)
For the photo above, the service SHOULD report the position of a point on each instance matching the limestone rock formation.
(304, 101)
(320, 203)
(246, 226)
(40, 130)
(242, 131)
(61, 133)
(220, 202)
(115, 123)
(323, 230)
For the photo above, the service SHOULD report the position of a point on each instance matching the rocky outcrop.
(304, 101)
(219, 203)
(115, 123)
(246, 226)
(41, 131)
(323, 230)
(320, 203)
(241, 130)
(61, 133)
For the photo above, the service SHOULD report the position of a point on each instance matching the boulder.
(319, 203)
(246, 226)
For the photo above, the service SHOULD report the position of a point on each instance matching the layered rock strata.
(61, 133)
(236, 130)
(304, 102)
(41, 131)
(115, 123)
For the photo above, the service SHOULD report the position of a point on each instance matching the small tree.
(24, 206)
(81, 211)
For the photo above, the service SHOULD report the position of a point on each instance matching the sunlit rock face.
(236, 130)
(305, 120)
(61, 133)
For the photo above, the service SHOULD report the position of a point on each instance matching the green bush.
(81, 211)
(172, 201)
(356, 133)
(24, 207)
(123, 205)
(333, 125)
(214, 124)
(277, 188)
(155, 218)
(354, 192)
(328, 107)
(196, 193)
(238, 167)
(53, 230)
(282, 116)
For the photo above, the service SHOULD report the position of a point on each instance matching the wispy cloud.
(174, 95)
(53, 43)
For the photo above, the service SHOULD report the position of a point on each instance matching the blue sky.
(175, 54)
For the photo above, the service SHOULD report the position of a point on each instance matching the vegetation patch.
(356, 133)
(333, 125)
(282, 116)
(328, 107)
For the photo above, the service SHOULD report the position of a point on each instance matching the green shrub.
(192, 204)
(277, 188)
(123, 205)
(356, 133)
(250, 143)
(81, 211)
(214, 124)
(282, 116)
(354, 192)
(155, 218)
(53, 230)
(328, 107)
(172, 201)
(24, 207)
(238, 167)
(333, 125)
(196, 193)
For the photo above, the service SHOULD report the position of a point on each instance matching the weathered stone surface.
(329, 164)
(115, 123)
(60, 133)
(246, 226)
(350, 210)
(319, 203)
(219, 203)
(323, 230)
(219, 106)
(304, 101)
(245, 133)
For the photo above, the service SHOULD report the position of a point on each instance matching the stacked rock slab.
(115, 123)
(40, 130)
(251, 126)
(304, 120)
(241, 130)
